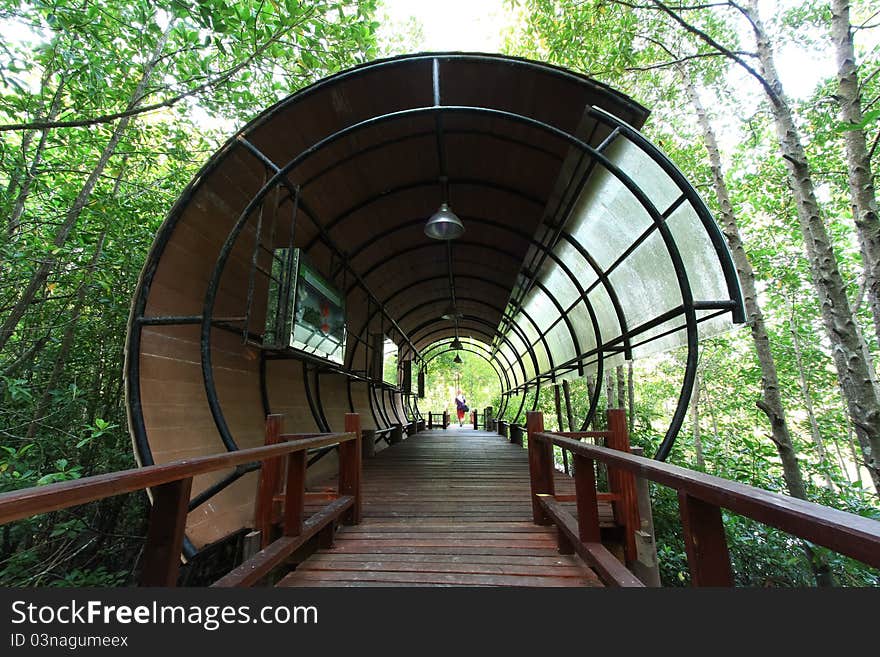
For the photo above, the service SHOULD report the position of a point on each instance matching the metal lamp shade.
(456, 344)
(444, 225)
(451, 312)
(457, 359)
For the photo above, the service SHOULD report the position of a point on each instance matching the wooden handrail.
(583, 434)
(843, 532)
(171, 485)
(28, 502)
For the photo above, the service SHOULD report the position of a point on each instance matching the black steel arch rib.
(206, 328)
(279, 177)
(549, 253)
(483, 333)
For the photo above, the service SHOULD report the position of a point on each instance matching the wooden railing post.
(350, 468)
(161, 563)
(368, 436)
(445, 419)
(474, 415)
(626, 511)
(396, 435)
(587, 501)
(295, 494)
(540, 466)
(704, 542)
(270, 476)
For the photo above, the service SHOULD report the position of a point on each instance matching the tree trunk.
(566, 390)
(808, 405)
(695, 420)
(631, 396)
(771, 398)
(771, 402)
(840, 324)
(41, 274)
(861, 183)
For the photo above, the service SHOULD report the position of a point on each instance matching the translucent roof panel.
(650, 177)
(646, 257)
(700, 260)
(607, 217)
(646, 282)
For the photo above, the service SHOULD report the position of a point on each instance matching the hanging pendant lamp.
(457, 360)
(444, 225)
(456, 344)
(451, 312)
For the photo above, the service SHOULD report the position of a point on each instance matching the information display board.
(305, 311)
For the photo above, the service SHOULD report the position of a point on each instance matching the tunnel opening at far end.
(299, 273)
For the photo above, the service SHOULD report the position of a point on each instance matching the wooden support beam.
(295, 494)
(622, 482)
(587, 502)
(368, 444)
(559, 424)
(396, 435)
(704, 542)
(540, 466)
(596, 555)
(268, 482)
(161, 563)
(350, 464)
(566, 390)
(272, 556)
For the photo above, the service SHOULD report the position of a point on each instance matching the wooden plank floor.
(446, 508)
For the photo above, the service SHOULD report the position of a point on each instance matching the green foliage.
(215, 65)
(475, 377)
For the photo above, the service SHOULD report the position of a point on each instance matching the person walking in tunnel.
(461, 407)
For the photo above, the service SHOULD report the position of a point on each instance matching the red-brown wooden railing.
(444, 418)
(701, 498)
(170, 485)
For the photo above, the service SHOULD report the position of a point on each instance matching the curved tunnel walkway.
(446, 508)
(303, 257)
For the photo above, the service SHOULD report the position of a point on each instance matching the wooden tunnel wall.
(171, 387)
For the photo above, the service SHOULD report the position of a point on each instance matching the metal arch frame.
(684, 285)
(347, 214)
(563, 316)
(501, 312)
(458, 297)
(476, 353)
(314, 397)
(369, 402)
(430, 279)
(496, 365)
(480, 320)
(445, 343)
(722, 252)
(132, 369)
(548, 252)
(427, 245)
(380, 409)
(423, 134)
(541, 334)
(389, 394)
(494, 249)
(484, 334)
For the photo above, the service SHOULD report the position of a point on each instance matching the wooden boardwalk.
(446, 508)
